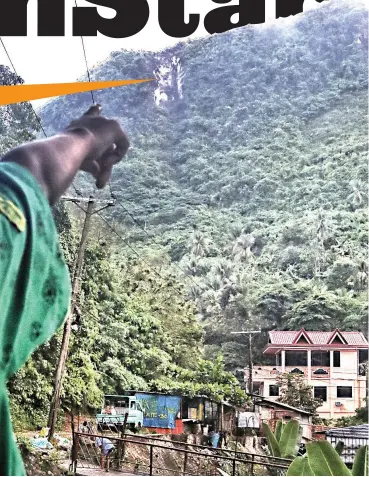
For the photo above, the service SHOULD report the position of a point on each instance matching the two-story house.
(333, 363)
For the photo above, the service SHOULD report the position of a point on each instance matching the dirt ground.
(166, 461)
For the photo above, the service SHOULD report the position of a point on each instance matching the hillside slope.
(248, 167)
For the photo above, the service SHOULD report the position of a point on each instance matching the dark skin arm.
(92, 143)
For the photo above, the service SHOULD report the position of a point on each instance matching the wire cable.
(79, 193)
(148, 235)
(135, 251)
(33, 109)
(86, 62)
(15, 71)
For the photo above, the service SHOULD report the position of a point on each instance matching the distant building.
(271, 412)
(166, 413)
(353, 438)
(333, 363)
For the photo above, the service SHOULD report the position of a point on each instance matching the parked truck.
(115, 408)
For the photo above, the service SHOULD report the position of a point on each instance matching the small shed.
(272, 411)
(353, 438)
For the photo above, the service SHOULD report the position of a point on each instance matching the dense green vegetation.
(248, 190)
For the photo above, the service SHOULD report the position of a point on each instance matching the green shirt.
(34, 288)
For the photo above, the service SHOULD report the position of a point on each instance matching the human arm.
(91, 143)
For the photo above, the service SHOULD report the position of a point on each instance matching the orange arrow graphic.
(29, 92)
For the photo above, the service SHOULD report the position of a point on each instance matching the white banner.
(248, 419)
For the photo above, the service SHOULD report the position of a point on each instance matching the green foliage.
(252, 175)
(295, 392)
(248, 186)
(322, 459)
(134, 329)
(360, 417)
(17, 121)
(207, 378)
(300, 466)
(273, 444)
(290, 439)
(286, 439)
(279, 430)
(361, 462)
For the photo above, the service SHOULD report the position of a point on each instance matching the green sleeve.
(34, 286)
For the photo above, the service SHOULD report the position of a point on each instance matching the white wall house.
(333, 363)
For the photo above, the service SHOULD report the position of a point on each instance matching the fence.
(150, 456)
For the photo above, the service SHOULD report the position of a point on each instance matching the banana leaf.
(279, 430)
(300, 466)
(324, 460)
(272, 441)
(289, 441)
(361, 464)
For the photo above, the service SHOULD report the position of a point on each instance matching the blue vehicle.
(114, 410)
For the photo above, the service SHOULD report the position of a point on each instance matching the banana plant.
(322, 458)
(339, 447)
(286, 439)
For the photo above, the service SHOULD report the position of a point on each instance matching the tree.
(295, 392)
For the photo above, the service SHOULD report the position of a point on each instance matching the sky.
(60, 59)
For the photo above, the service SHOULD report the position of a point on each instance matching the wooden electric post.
(58, 380)
(250, 333)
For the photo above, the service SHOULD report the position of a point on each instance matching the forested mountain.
(245, 188)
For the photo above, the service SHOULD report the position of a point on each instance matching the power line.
(148, 235)
(33, 109)
(78, 192)
(135, 251)
(7, 54)
(86, 62)
(15, 71)
(128, 245)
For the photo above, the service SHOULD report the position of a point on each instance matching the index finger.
(95, 110)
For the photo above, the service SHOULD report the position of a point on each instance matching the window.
(296, 358)
(363, 356)
(320, 358)
(344, 391)
(320, 392)
(336, 359)
(363, 360)
(278, 359)
(273, 390)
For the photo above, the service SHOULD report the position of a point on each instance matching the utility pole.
(58, 380)
(250, 333)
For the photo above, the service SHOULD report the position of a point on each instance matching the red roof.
(317, 337)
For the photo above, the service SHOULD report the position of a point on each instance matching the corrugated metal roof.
(316, 337)
(355, 432)
(272, 403)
